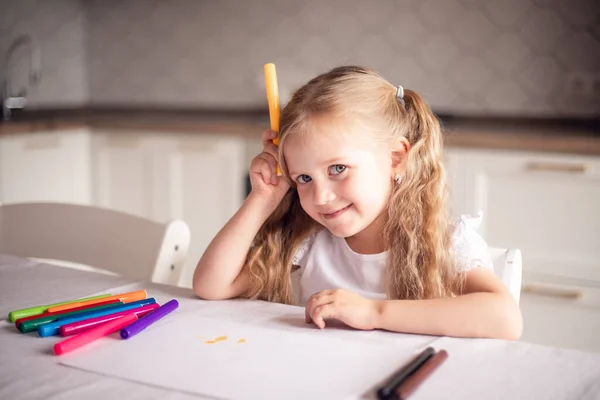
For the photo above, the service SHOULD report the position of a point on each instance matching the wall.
(467, 57)
(59, 28)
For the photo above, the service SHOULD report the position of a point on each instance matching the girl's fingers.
(322, 293)
(322, 312)
(321, 299)
(266, 165)
(271, 161)
(271, 149)
(308, 310)
(261, 167)
(315, 302)
(268, 136)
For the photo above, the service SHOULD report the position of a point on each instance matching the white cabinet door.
(203, 185)
(198, 178)
(545, 205)
(457, 184)
(561, 312)
(51, 166)
(123, 172)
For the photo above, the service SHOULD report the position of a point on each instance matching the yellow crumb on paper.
(241, 340)
(217, 339)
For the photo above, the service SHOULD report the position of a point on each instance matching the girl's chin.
(343, 231)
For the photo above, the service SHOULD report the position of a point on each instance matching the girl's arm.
(217, 275)
(485, 309)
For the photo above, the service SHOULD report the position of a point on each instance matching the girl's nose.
(322, 194)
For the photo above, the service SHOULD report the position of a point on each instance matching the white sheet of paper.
(270, 360)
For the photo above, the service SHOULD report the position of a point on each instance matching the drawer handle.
(546, 166)
(563, 293)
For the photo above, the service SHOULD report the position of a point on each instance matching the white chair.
(508, 266)
(110, 240)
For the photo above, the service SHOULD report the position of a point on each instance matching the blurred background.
(156, 108)
(511, 57)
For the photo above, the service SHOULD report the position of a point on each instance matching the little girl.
(358, 220)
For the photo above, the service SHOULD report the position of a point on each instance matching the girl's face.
(343, 180)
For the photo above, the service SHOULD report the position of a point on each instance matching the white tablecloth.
(475, 369)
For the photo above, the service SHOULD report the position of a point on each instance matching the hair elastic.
(400, 95)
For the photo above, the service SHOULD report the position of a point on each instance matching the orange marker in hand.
(273, 99)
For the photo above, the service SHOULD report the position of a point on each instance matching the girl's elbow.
(208, 290)
(205, 292)
(204, 289)
(516, 326)
(199, 291)
(512, 323)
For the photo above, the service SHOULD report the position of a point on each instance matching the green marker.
(31, 311)
(34, 324)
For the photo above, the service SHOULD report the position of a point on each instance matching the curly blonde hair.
(417, 230)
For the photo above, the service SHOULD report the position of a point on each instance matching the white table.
(476, 369)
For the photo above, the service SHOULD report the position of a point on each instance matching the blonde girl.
(357, 227)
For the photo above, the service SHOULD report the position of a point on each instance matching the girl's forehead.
(325, 132)
(303, 152)
(317, 145)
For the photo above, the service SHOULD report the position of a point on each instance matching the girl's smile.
(337, 213)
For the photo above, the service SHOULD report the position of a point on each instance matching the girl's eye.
(337, 169)
(303, 179)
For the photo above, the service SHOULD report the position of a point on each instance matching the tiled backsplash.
(468, 57)
(60, 29)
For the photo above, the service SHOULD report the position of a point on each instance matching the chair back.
(508, 266)
(110, 240)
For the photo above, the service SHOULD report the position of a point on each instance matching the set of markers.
(87, 319)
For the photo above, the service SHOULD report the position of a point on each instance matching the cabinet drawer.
(52, 166)
(561, 312)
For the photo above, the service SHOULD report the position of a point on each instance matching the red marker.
(80, 326)
(88, 336)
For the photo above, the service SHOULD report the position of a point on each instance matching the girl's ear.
(399, 153)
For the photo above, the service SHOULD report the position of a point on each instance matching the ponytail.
(417, 230)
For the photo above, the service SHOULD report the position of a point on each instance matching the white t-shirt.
(327, 262)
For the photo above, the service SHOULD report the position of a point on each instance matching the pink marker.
(80, 326)
(90, 335)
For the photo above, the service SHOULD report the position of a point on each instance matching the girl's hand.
(263, 172)
(343, 305)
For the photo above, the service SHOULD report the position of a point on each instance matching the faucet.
(19, 101)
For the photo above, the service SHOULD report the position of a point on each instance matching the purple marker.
(148, 319)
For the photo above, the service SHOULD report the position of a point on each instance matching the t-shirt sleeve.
(303, 251)
(470, 248)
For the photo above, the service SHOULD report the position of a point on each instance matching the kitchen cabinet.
(51, 166)
(203, 184)
(122, 170)
(559, 311)
(544, 204)
(198, 178)
(547, 206)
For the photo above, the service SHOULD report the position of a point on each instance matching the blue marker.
(52, 328)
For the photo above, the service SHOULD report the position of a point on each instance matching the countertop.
(526, 134)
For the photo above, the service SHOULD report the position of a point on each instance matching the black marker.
(388, 391)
